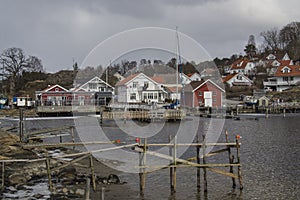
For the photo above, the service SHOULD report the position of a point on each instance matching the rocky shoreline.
(20, 178)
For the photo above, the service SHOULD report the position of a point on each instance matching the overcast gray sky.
(60, 31)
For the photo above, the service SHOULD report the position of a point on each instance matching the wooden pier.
(144, 149)
(231, 149)
(136, 114)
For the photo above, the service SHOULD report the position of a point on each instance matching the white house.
(243, 66)
(195, 76)
(237, 79)
(138, 88)
(271, 57)
(96, 85)
(94, 91)
(285, 77)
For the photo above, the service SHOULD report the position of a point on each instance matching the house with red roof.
(204, 93)
(54, 95)
(243, 66)
(92, 92)
(237, 79)
(194, 76)
(286, 76)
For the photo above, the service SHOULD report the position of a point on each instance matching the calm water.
(269, 156)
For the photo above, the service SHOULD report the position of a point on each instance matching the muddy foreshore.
(20, 178)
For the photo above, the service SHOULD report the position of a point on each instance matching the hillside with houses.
(264, 74)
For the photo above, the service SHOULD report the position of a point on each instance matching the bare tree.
(271, 39)
(14, 62)
(34, 64)
(290, 37)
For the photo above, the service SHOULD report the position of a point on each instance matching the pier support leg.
(175, 163)
(92, 172)
(3, 176)
(198, 162)
(239, 162)
(204, 162)
(87, 189)
(21, 125)
(171, 168)
(231, 159)
(142, 164)
(49, 174)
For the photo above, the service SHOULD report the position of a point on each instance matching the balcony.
(270, 83)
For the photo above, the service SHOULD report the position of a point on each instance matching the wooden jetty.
(143, 149)
(137, 114)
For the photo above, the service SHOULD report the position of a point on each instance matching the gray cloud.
(58, 31)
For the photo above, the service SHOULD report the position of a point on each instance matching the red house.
(203, 93)
(54, 95)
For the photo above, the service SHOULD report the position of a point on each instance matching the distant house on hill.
(194, 76)
(237, 79)
(203, 93)
(243, 66)
(285, 77)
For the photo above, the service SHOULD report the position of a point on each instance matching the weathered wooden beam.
(49, 130)
(92, 172)
(70, 163)
(3, 176)
(50, 145)
(219, 171)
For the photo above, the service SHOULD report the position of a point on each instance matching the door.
(208, 99)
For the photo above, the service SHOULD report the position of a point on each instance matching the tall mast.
(176, 62)
(179, 64)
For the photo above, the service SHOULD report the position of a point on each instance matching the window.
(102, 89)
(291, 78)
(134, 84)
(56, 89)
(146, 84)
(145, 96)
(285, 70)
(150, 96)
(285, 79)
(133, 96)
(214, 100)
(214, 93)
(200, 93)
(92, 86)
(155, 95)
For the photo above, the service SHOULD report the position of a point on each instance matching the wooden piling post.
(142, 168)
(92, 172)
(175, 163)
(284, 112)
(73, 136)
(87, 189)
(239, 162)
(204, 162)
(171, 168)
(231, 159)
(3, 176)
(102, 193)
(198, 162)
(49, 173)
(21, 125)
